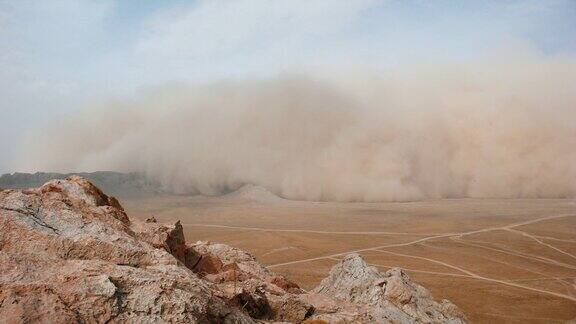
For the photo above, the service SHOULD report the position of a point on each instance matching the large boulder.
(243, 265)
(238, 273)
(385, 297)
(68, 254)
(169, 238)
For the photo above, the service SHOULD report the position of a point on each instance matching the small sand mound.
(253, 193)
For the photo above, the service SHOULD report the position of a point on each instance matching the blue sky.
(58, 56)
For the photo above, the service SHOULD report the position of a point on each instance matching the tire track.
(515, 253)
(424, 240)
(312, 231)
(541, 242)
(457, 235)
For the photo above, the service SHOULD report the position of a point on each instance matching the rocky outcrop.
(246, 282)
(385, 297)
(69, 253)
(169, 238)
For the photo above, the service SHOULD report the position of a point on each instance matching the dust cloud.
(499, 128)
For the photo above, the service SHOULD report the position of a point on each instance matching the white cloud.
(213, 27)
(244, 35)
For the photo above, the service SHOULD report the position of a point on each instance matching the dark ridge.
(123, 185)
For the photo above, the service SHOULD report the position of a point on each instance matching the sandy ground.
(508, 261)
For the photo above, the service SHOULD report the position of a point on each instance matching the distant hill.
(124, 185)
(253, 193)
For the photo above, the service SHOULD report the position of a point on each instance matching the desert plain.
(499, 260)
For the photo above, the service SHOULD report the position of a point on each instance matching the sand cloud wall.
(492, 128)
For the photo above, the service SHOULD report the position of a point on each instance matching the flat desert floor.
(499, 260)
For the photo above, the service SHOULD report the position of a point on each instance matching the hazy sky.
(59, 55)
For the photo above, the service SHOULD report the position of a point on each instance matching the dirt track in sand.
(499, 260)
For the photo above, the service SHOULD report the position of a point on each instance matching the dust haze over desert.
(295, 161)
(501, 128)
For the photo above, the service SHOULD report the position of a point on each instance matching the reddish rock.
(285, 284)
(244, 265)
(151, 220)
(67, 256)
(253, 300)
(112, 201)
(228, 276)
(291, 308)
(208, 264)
(314, 321)
(170, 238)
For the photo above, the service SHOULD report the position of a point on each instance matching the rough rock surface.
(245, 281)
(69, 253)
(385, 297)
(170, 238)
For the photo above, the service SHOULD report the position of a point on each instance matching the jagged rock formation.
(69, 253)
(385, 297)
(242, 278)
